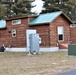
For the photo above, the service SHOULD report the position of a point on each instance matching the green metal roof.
(45, 18)
(2, 23)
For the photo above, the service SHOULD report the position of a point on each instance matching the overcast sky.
(38, 7)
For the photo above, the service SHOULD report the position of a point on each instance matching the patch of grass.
(48, 63)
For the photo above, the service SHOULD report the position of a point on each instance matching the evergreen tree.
(17, 7)
(67, 6)
(49, 6)
(21, 7)
(3, 12)
(73, 10)
(54, 5)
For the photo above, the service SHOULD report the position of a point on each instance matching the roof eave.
(67, 18)
(38, 24)
(2, 28)
(22, 17)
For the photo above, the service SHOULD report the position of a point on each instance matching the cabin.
(53, 28)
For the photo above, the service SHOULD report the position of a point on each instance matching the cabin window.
(14, 22)
(14, 33)
(72, 25)
(60, 33)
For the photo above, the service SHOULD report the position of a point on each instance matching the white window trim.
(58, 34)
(72, 25)
(16, 23)
(14, 33)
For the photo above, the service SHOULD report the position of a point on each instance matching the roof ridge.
(51, 12)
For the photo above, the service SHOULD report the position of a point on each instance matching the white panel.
(16, 50)
(49, 49)
(28, 32)
(60, 30)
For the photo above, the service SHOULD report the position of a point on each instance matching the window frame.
(14, 33)
(16, 23)
(61, 34)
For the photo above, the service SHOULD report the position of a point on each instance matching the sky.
(38, 7)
